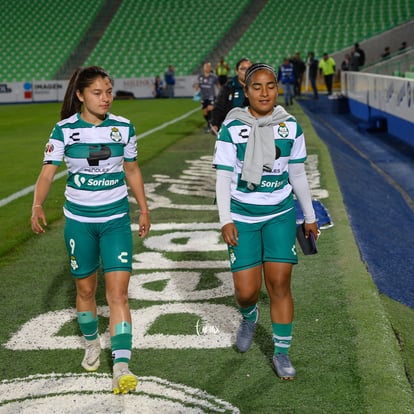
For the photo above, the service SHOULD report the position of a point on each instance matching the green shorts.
(268, 241)
(88, 243)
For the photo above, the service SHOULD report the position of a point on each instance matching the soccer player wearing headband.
(259, 160)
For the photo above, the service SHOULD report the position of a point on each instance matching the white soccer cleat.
(91, 360)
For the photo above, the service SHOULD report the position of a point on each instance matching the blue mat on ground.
(374, 171)
(322, 215)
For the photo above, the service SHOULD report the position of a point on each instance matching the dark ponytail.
(79, 80)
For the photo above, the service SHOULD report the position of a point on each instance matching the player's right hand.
(230, 234)
(38, 215)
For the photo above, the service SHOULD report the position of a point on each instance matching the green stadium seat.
(343, 27)
(145, 36)
(159, 30)
(36, 32)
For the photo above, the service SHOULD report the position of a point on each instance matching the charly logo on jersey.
(49, 148)
(283, 130)
(115, 134)
(244, 133)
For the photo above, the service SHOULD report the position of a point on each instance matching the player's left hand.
(144, 225)
(312, 228)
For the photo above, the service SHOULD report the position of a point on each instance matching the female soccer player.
(100, 153)
(259, 157)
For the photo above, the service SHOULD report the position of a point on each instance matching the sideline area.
(375, 173)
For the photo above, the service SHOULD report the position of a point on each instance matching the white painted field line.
(173, 121)
(27, 190)
(30, 189)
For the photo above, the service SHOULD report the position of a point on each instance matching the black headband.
(258, 66)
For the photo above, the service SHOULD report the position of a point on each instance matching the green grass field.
(345, 346)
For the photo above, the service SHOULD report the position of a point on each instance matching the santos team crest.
(115, 134)
(283, 130)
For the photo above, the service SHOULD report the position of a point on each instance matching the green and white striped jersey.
(273, 196)
(94, 154)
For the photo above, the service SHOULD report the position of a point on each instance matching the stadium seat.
(334, 27)
(144, 37)
(163, 33)
(40, 35)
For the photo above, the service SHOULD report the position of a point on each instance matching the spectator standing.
(287, 79)
(100, 152)
(222, 70)
(299, 68)
(345, 65)
(231, 95)
(387, 53)
(403, 46)
(327, 67)
(357, 58)
(258, 145)
(313, 73)
(169, 78)
(207, 82)
(158, 91)
(353, 61)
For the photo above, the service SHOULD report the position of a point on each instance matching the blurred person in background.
(286, 77)
(158, 91)
(231, 95)
(360, 53)
(403, 47)
(387, 53)
(169, 78)
(357, 58)
(313, 73)
(222, 71)
(345, 65)
(299, 68)
(327, 66)
(206, 84)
